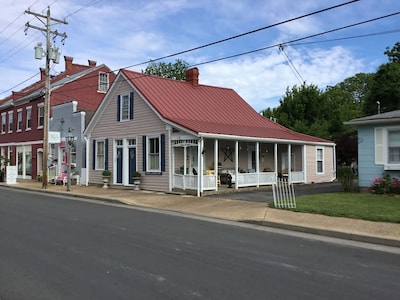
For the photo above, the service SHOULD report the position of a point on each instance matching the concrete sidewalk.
(236, 210)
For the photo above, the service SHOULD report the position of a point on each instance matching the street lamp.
(70, 141)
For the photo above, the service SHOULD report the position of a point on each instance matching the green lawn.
(381, 208)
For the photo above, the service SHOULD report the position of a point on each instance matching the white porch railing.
(185, 182)
(296, 176)
(189, 182)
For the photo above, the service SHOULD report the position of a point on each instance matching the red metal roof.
(208, 109)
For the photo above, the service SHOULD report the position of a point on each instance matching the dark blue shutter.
(131, 106)
(106, 154)
(119, 108)
(94, 155)
(163, 153)
(144, 153)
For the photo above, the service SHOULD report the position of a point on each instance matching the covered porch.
(209, 164)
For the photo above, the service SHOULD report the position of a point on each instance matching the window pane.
(394, 138)
(100, 155)
(154, 154)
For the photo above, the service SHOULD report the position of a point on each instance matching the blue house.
(378, 146)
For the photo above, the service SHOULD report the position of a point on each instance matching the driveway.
(265, 194)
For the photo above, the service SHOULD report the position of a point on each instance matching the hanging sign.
(54, 137)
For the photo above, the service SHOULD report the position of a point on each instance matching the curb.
(310, 230)
(329, 233)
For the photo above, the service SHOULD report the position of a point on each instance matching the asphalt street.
(53, 247)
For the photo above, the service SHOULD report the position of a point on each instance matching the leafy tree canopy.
(175, 70)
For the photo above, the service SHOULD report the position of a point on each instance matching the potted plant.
(136, 180)
(106, 178)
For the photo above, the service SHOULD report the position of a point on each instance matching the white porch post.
(236, 164)
(184, 166)
(171, 162)
(276, 160)
(304, 165)
(200, 159)
(216, 163)
(258, 163)
(289, 151)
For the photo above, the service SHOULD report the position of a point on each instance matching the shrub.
(106, 173)
(346, 176)
(385, 185)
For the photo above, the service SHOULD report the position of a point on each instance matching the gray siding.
(145, 122)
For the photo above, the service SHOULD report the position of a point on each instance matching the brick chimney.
(42, 74)
(192, 76)
(68, 63)
(92, 63)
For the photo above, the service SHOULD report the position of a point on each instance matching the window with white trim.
(40, 115)
(103, 82)
(320, 160)
(3, 123)
(394, 146)
(125, 107)
(153, 154)
(10, 121)
(28, 117)
(100, 155)
(19, 124)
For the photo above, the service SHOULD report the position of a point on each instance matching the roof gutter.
(370, 122)
(257, 139)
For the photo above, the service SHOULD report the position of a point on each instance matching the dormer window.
(103, 82)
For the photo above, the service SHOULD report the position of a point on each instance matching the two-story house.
(75, 95)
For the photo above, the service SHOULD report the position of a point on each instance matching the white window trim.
(107, 83)
(3, 118)
(28, 108)
(39, 106)
(129, 108)
(381, 140)
(19, 122)
(148, 138)
(10, 121)
(316, 160)
(97, 167)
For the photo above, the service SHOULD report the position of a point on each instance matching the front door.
(119, 164)
(132, 164)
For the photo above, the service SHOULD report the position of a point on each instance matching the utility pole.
(50, 54)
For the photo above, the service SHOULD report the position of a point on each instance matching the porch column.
(289, 151)
(184, 166)
(236, 164)
(276, 161)
(200, 159)
(303, 164)
(171, 163)
(216, 163)
(258, 163)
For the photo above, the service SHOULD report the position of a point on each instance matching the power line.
(289, 43)
(291, 65)
(246, 33)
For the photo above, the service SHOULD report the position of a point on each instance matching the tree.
(385, 88)
(175, 70)
(394, 53)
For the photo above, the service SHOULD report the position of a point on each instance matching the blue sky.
(124, 33)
